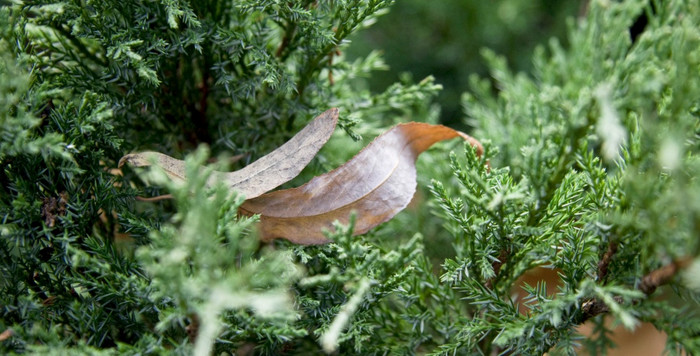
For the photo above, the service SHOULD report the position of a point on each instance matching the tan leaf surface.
(263, 175)
(376, 184)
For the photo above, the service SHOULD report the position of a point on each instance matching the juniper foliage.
(589, 170)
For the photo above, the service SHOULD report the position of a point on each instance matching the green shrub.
(590, 169)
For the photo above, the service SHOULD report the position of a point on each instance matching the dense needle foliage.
(590, 170)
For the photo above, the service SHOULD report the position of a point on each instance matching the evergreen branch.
(86, 270)
(567, 151)
(289, 33)
(344, 29)
(81, 46)
(329, 339)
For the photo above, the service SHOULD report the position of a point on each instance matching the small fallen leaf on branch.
(6, 334)
(267, 173)
(376, 184)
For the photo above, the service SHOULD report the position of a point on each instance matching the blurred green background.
(444, 38)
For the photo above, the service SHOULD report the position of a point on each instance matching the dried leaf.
(376, 184)
(6, 334)
(263, 175)
(53, 207)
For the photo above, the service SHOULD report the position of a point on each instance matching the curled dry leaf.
(263, 175)
(376, 184)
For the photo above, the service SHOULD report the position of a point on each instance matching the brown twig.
(502, 257)
(199, 112)
(154, 199)
(605, 261)
(285, 41)
(330, 66)
(662, 275)
(651, 281)
(193, 328)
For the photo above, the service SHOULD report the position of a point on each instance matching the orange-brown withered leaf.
(376, 184)
(263, 175)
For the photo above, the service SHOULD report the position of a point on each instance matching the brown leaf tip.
(474, 142)
(125, 159)
(141, 159)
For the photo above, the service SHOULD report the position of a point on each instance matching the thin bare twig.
(154, 199)
(192, 329)
(605, 261)
(661, 276)
(502, 258)
(649, 284)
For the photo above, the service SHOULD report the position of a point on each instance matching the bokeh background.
(444, 39)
